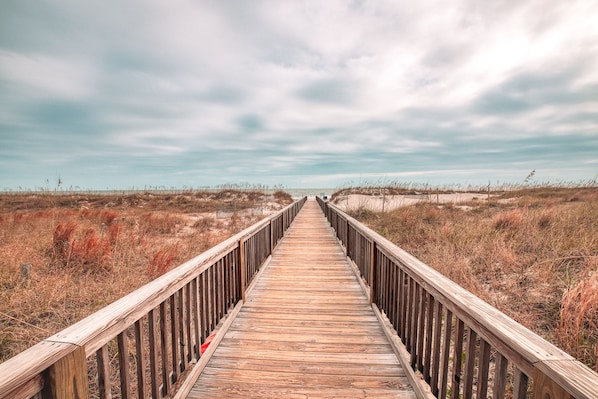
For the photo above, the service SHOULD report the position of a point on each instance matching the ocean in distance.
(307, 192)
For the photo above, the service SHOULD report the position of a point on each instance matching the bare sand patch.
(389, 202)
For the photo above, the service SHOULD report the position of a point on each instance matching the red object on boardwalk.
(205, 345)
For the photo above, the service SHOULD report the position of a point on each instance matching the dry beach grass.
(62, 257)
(532, 253)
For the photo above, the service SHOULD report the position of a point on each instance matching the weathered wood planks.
(463, 347)
(306, 329)
(149, 340)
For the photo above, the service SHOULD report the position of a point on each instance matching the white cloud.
(375, 86)
(46, 76)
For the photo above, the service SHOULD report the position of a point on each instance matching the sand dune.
(390, 202)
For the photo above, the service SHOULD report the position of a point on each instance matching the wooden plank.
(229, 279)
(274, 317)
(412, 319)
(483, 370)
(293, 334)
(103, 364)
(195, 339)
(308, 327)
(315, 346)
(182, 322)
(399, 292)
(234, 390)
(470, 364)
(219, 284)
(392, 295)
(273, 379)
(428, 338)
(213, 298)
(387, 358)
(457, 359)
(346, 306)
(235, 278)
(67, 378)
(153, 347)
(30, 389)
(415, 306)
(402, 305)
(243, 265)
(500, 377)
(520, 381)
(174, 336)
(14, 373)
(205, 331)
(312, 367)
(188, 324)
(446, 347)
(421, 336)
(372, 272)
(165, 349)
(123, 361)
(544, 388)
(140, 355)
(436, 351)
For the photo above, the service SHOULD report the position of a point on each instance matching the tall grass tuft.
(578, 325)
(86, 251)
(162, 261)
(62, 242)
(510, 220)
(92, 252)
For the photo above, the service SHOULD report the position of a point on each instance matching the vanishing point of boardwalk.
(306, 329)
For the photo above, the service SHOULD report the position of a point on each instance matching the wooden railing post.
(271, 237)
(545, 388)
(67, 378)
(520, 382)
(349, 248)
(372, 271)
(243, 268)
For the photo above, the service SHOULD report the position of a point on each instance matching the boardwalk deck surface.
(306, 329)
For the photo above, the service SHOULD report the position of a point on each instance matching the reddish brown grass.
(63, 242)
(162, 261)
(510, 220)
(578, 325)
(87, 251)
(534, 257)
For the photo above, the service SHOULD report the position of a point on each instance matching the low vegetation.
(532, 253)
(62, 257)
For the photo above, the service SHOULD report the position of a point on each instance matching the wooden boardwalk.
(306, 329)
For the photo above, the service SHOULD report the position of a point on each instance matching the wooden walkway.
(306, 329)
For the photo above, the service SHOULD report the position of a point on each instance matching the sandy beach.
(390, 202)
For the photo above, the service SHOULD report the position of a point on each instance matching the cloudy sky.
(138, 93)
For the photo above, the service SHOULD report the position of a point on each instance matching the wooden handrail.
(461, 344)
(164, 323)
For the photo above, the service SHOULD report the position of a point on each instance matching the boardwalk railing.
(150, 340)
(463, 347)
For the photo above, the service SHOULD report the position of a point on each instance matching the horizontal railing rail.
(463, 347)
(144, 344)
